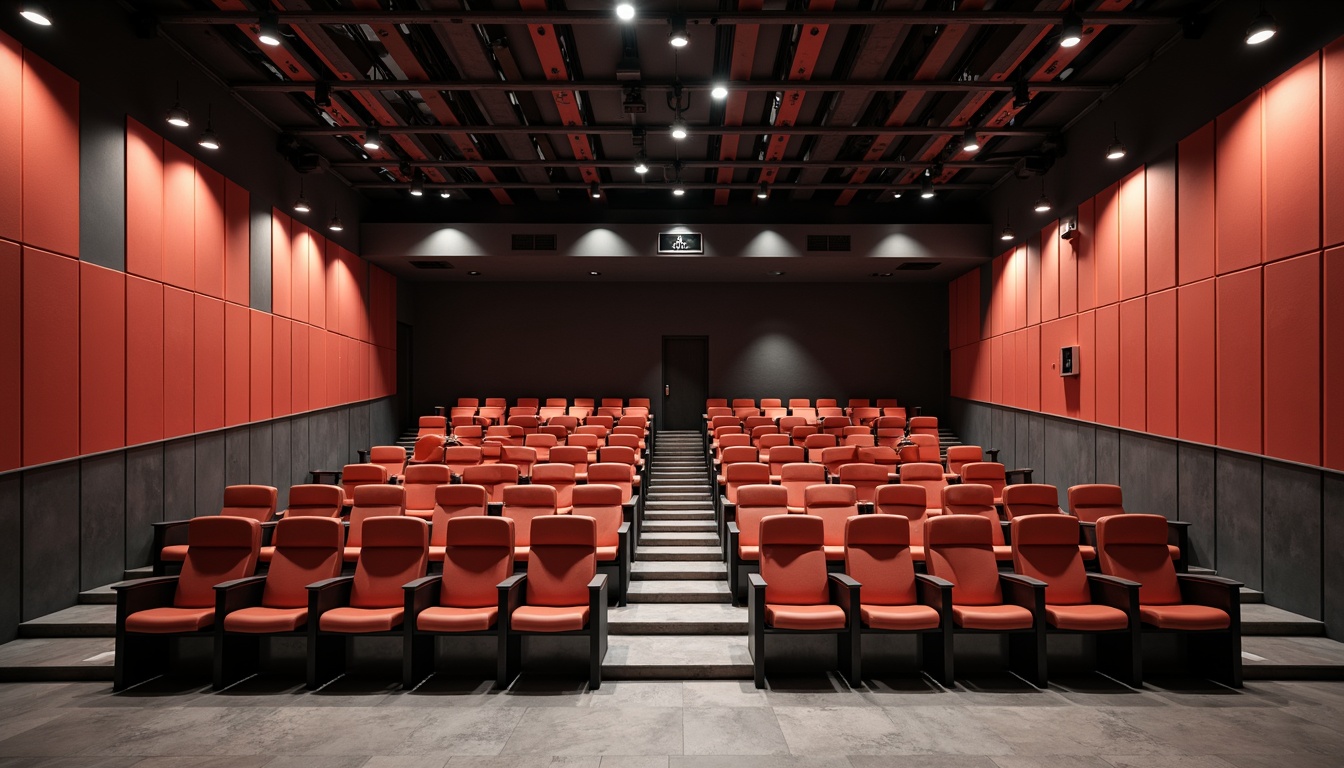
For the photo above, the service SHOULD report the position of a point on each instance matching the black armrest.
(729, 509)
(628, 509)
(1115, 592)
(161, 531)
(866, 507)
(993, 454)
(756, 581)
(143, 594)
(327, 594)
(1007, 528)
(597, 602)
(1213, 591)
(239, 593)
(934, 592)
(1024, 591)
(1023, 472)
(165, 525)
(420, 594)
(512, 591)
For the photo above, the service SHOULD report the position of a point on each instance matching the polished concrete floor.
(804, 723)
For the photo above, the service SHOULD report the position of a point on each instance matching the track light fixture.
(209, 139)
(268, 30)
(1070, 30)
(417, 185)
(373, 141)
(595, 191)
(763, 191)
(641, 163)
(302, 205)
(1262, 28)
(625, 11)
(679, 128)
(896, 194)
(926, 185)
(969, 142)
(35, 13)
(679, 189)
(178, 115)
(1007, 233)
(676, 33)
(1116, 150)
(1043, 203)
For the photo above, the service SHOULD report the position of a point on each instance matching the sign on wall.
(681, 242)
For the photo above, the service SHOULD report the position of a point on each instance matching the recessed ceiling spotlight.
(969, 142)
(474, 273)
(1116, 150)
(719, 91)
(676, 33)
(775, 273)
(35, 13)
(679, 129)
(1070, 30)
(882, 274)
(1262, 28)
(268, 30)
(373, 141)
(625, 11)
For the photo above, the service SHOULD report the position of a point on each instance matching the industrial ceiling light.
(1070, 30)
(679, 189)
(775, 273)
(335, 224)
(35, 13)
(445, 194)
(209, 139)
(641, 163)
(417, 185)
(373, 141)
(896, 194)
(474, 273)
(969, 142)
(1007, 233)
(926, 185)
(763, 191)
(680, 129)
(1262, 28)
(625, 11)
(1042, 203)
(676, 33)
(302, 205)
(595, 191)
(1021, 95)
(178, 115)
(595, 273)
(268, 30)
(719, 91)
(1116, 150)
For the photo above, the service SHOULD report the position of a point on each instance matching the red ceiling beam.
(566, 102)
(805, 55)
(739, 69)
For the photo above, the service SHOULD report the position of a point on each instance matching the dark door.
(685, 381)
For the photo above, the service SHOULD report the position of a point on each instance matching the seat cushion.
(804, 616)
(607, 554)
(360, 620)
(834, 551)
(173, 553)
(262, 620)
(1184, 617)
(991, 617)
(170, 620)
(1086, 618)
(446, 619)
(545, 618)
(899, 618)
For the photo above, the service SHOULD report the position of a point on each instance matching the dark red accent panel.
(982, 384)
(317, 281)
(209, 352)
(179, 356)
(1088, 368)
(1022, 369)
(237, 244)
(387, 362)
(996, 297)
(259, 367)
(1332, 144)
(1292, 410)
(970, 307)
(144, 361)
(237, 361)
(1078, 293)
(280, 267)
(1033, 368)
(144, 201)
(1333, 344)
(1237, 198)
(1196, 362)
(1160, 216)
(282, 389)
(317, 368)
(50, 357)
(11, 164)
(1133, 365)
(179, 217)
(1018, 264)
(300, 239)
(299, 368)
(102, 359)
(11, 352)
(1239, 359)
(1108, 365)
(1292, 155)
(1133, 235)
(1106, 245)
(1196, 217)
(50, 157)
(337, 391)
(1050, 271)
(365, 388)
(210, 231)
(1161, 363)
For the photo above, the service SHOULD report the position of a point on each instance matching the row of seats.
(860, 409)
(218, 594)
(495, 410)
(1137, 593)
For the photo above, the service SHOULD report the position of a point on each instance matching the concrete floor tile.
(636, 694)
(1260, 731)
(732, 731)
(522, 761)
(820, 690)
(588, 731)
(453, 732)
(1167, 761)
(920, 761)
(68, 762)
(1050, 761)
(634, 761)
(253, 761)
(1297, 760)
(840, 731)
(759, 761)
(946, 730)
(722, 693)
(324, 761)
(382, 761)
(1069, 731)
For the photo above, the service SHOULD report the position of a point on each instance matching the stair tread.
(66, 658)
(654, 568)
(682, 657)
(1265, 655)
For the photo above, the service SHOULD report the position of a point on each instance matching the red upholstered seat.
(1092, 502)
(421, 482)
(219, 549)
(754, 504)
(738, 475)
(1134, 547)
(1045, 547)
(796, 478)
(834, 505)
(781, 455)
(256, 502)
(307, 550)
(561, 563)
(927, 475)
(793, 565)
(561, 478)
(805, 617)
(356, 475)
(977, 500)
(524, 504)
(371, 501)
(877, 555)
(478, 556)
(613, 473)
(959, 456)
(432, 425)
(394, 552)
(1030, 499)
(574, 455)
(391, 458)
(520, 456)
(1196, 618)
(452, 501)
(899, 618)
(602, 502)
(865, 478)
(494, 478)
(310, 501)
(985, 473)
(959, 549)
(353, 621)
(991, 617)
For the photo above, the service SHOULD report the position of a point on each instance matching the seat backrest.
(391, 457)
(826, 402)
(720, 412)
(800, 433)
(959, 548)
(799, 402)
(432, 425)
(737, 454)
(529, 422)
(886, 402)
(858, 402)
(864, 477)
(430, 448)
(479, 555)
(862, 441)
(877, 555)
(985, 473)
(930, 476)
(924, 425)
(834, 504)
(602, 502)
(315, 501)
(621, 440)
(493, 477)
(612, 402)
(744, 402)
(452, 501)
(771, 402)
(395, 551)
(973, 499)
(908, 501)
(219, 549)
(785, 454)
(806, 413)
(797, 477)
(540, 440)
(960, 455)
(771, 440)
(547, 412)
(525, 503)
(1134, 547)
(793, 563)
(835, 458)
(252, 501)
(1030, 499)
(1092, 502)
(469, 402)
(558, 476)
(640, 402)
(355, 475)
(519, 456)
(1045, 547)
(818, 441)
(716, 402)
(574, 455)
(620, 454)
(468, 435)
(590, 442)
(753, 423)
(747, 473)
(881, 455)
(459, 457)
(307, 550)
(570, 423)
(421, 482)
(865, 414)
(373, 501)
(754, 504)
(613, 473)
(928, 448)
(527, 402)
(562, 560)
(496, 402)
(787, 423)
(557, 402)
(835, 425)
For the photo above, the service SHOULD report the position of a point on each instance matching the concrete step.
(75, 659)
(678, 619)
(679, 514)
(1292, 658)
(668, 570)
(696, 506)
(142, 572)
(679, 591)
(676, 657)
(1251, 596)
(678, 526)
(103, 595)
(672, 483)
(1259, 620)
(714, 554)
(701, 497)
(650, 539)
(75, 621)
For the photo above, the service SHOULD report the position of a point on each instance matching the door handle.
(667, 390)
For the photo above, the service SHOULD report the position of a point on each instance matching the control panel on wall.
(1069, 361)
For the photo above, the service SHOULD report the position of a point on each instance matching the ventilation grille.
(828, 242)
(918, 266)
(534, 242)
(431, 264)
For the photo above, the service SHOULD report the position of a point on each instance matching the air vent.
(918, 266)
(431, 265)
(534, 242)
(828, 242)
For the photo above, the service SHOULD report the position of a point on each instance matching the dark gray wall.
(77, 525)
(1265, 522)
(595, 340)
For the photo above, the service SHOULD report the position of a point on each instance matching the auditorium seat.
(429, 449)
(355, 475)
(600, 420)
(597, 430)
(889, 431)
(959, 456)
(754, 503)
(369, 603)
(864, 416)
(1207, 609)
(469, 402)
(882, 456)
(391, 458)
(152, 612)
(773, 408)
(542, 443)
(800, 434)
(524, 504)
(570, 423)
(255, 502)
(784, 454)
(561, 592)
(306, 550)
(420, 485)
(590, 443)
(988, 473)
(829, 411)
(463, 600)
(835, 458)
(528, 422)
(834, 504)
(796, 478)
(794, 593)
(493, 477)
(607, 504)
(924, 425)
(907, 501)
(1090, 503)
(886, 402)
(458, 457)
(865, 478)
(960, 551)
(1030, 499)
(805, 412)
(308, 501)
(432, 425)
(835, 425)
(827, 402)
(473, 435)
(865, 440)
(930, 477)
(787, 423)
(817, 441)
(520, 456)
(371, 501)
(547, 412)
(574, 455)
(527, 402)
(735, 454)
(736, 476)
(771, 440)
(973, 499)
(453, 501)
(928, 449)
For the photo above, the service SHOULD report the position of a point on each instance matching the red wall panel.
(337, 392)
(317, 281)
(1018, 263)
(237, 244)
(1133, 365)
(1108, 365)
(1022, 370)
(209, 235)
(209, 356)
(365, 389)
(11, 157)
(50, 157)
(335, 285)
(1239, 359)
(102, 359)
(1059, 395)
(1085, 405)
(50, 357)
(237, 362)
(1106, 245)
(970, 307)
(1332, 144)
(1161, 362)
(1333, 344)
(1133, 235)
(982, 383)
(259, 366)
(282, 389)
(1033, 368)
(300, 239)
(11, 352)
(1008, 368)
(953, 312)
(317, 368)
(995, 302)
(298, 351)
(144, 361)
(1292, 394)
(179, 217)
(1292, 159)
(1196, 231)
(179, 356)
(1196, 362)
(1084, 294)
(281, 292)
(995, 369)
(1237, 198)
(1033, 266)
(387, 363)
(1160, 217)
(144, 201)
(1050, 271)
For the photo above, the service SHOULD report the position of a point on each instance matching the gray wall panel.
(1005, 437)
(299, 453)
(345, 451)
(102, 520)
(237, 461)
(1239, 519)
(50, 537)
(209, 474)
(1108, 456)
(1292, 538)
(1022, 441)
(261, 467)
(144, 501)
(324, 452)
(359, 431)
(1149, 475)
(1333, 545)
(281, 458)
(383, 422)
(11, 560)
(179, 480)
(1197, 500)
(1036, 440)
(260, 253)
(102, 179)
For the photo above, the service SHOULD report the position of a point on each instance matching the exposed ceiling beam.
(729, 164)
(656, 186)
(606, 18)
(734, 86)
(702, 130)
